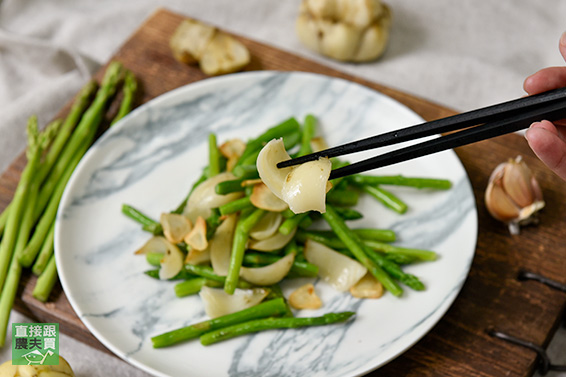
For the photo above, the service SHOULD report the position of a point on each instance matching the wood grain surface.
(492, 297)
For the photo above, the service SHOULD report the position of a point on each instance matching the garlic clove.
(513, 195)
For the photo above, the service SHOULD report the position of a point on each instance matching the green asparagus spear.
(79, 105)
(265, 309)
(129, 90)
(213, 156)
(46, 281)
(245, 224)
(309, 130)
(148, 223)
(387, 198)
(227, 187)
(256, 325)
(399, 180)
(235, 206)
(15, 214)
(11, 269)
(394, 270)
(83, 135)
(292, 223)
(193, 286)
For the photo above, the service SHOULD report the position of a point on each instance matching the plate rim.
(156, 102)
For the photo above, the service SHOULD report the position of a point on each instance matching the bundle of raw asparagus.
(27, 225)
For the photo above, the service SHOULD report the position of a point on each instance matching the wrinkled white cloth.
(463, 55)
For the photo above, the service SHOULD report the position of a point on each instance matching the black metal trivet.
(545, 365)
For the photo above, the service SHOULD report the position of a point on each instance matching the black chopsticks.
(489, 122)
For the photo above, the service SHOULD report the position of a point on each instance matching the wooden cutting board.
(492, 296)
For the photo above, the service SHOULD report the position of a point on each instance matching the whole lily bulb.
(513, 194)
(345, 30)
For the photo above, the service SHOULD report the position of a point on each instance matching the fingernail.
(563, 39)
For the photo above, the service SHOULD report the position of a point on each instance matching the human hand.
(546, 139)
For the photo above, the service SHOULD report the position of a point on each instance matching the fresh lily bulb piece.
(513, 194)
(302, 187)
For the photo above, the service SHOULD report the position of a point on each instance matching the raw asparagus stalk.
(15, 214)
(256, 325)
(129, 89)
(84, 133)
(265, 309)
(45, 253)
(11, 278)
(46, 281)
(79, 105)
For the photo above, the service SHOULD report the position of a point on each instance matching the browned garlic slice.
(338, 270)
(175, 226)
(196, 238)
(263, 198)
(155, 244)
(513, 195)
(218, 303)
(367, 287)
(305, 297)
(270, 274)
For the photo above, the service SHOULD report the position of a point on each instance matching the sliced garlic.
(338, 270)
(204, 197)
(175, 226)
(224, 54)
(218, 303)
(367, 287)
(267, 226)
(262, 197)
(155, 244)
(513, 195)
(172, 262)
(232, 148)
(221, 245)
(305, 186)
(190, 40)
(275, 242)
(270, 274)
(270, 155)
(305, 297)
(196, 238)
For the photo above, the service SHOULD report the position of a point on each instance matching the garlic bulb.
(347, 30)
(513, 194)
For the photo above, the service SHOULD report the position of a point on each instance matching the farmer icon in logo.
(35, 357)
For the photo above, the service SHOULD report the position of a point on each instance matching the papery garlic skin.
(513, 195)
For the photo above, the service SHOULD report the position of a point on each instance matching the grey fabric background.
(464, 55)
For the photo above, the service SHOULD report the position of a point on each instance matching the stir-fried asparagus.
(233, 331)
(266, 309)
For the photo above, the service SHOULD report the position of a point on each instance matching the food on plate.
(347, 30)
(305, 297)
(250, 241)
(513, 194)
(61, 370)
(216, 52)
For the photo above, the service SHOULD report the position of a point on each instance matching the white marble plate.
(151, 158)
